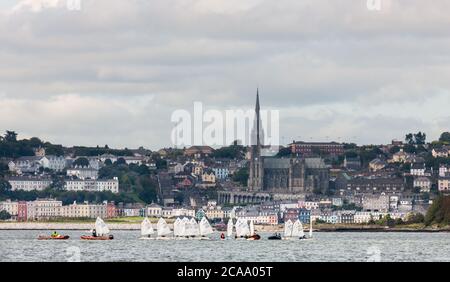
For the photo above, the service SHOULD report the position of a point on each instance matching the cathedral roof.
(277, 163)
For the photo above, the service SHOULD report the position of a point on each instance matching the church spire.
(258, 118)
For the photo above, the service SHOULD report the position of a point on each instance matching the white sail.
(239, 227)
(288, 228)
(195, 227)
(310, 227)
(242, 228)
(301, 233)
(230, 228)
(100, 227)
(183, 225)
(252, 228)
(162, 227)
(176, 227)
(297, 229)
(205, 227)
(146, 227)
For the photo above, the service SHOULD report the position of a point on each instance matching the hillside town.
(327, 182)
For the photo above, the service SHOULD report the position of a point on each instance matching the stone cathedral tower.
(256, 171)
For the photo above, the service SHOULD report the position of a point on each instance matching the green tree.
(420, 138)
(445, 137)
(4, 215)
(241, 176)
(409, 138)
(10, 136)
(439, 211)
(81, 162)
(284, 152)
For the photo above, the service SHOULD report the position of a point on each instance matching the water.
(23, 246)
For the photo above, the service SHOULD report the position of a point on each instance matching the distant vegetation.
(233, 151)
(241, 176)
(439, 211)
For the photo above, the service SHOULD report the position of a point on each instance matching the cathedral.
(273, 178)
(282, 175)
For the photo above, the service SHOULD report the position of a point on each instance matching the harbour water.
(17, 245)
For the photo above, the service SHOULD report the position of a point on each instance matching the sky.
(114, 71)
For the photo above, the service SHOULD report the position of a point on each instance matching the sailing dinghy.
(146, 229)
(288, 226)
(101, 232)
(205, 229)
(230, 228)
(253, 235)
(163, 229)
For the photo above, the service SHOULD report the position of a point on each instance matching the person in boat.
(55, 234)
(94, 233)
(222, 236)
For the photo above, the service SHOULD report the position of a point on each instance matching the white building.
(154, 210)
(167, 212)
(376, 203)
(308, 205)
(181, 212)
(444, 184)
(424, 183)
(83, 172)
(10, 207)
(84, 210)
(29, 183)
(44, 209)
(56, 163)
(365, 217)
(418, 169)
(28, 164)
(221, 172)
(443, 171)
(101, 185)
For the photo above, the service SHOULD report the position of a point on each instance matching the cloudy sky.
(114, 71)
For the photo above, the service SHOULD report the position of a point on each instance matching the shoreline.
(278, 228)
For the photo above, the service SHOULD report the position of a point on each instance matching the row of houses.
(44, 209)
(30, 183)
(32, 164)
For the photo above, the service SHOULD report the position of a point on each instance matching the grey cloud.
(333, 60)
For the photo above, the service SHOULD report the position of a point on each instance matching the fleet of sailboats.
(185, 228)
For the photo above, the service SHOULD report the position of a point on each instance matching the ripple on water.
(23, 246)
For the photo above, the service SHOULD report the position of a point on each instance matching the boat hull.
(98, 238)
(254, 237)
(146, 238)
(164, 238)
(53, 238)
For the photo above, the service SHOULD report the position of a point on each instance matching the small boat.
(275, 236)
(97, 238)
(59, 237)
(146, 229)
(163, 230)
(101, 232)
(253, 236)
(205, 229)
(288, 227)
(242, 229)
(221, 226)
